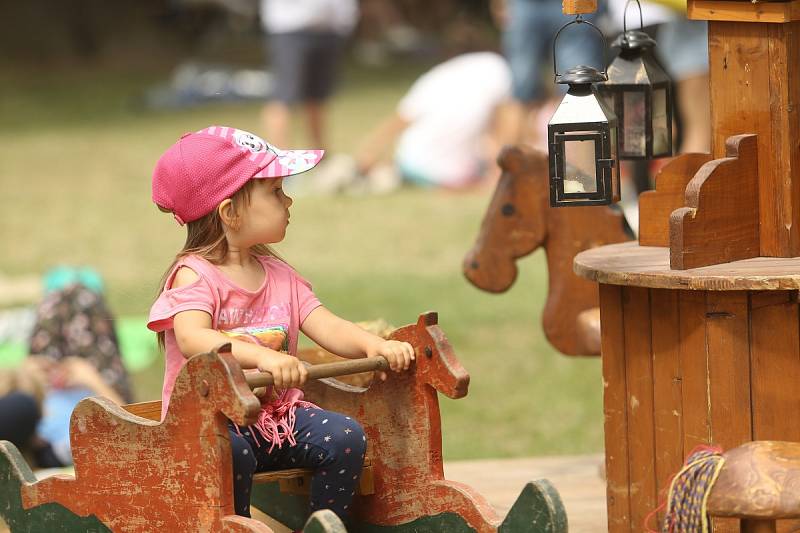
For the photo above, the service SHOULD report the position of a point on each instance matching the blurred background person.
(528, 30)
(74, 354)
(305, 43)
(451, 125)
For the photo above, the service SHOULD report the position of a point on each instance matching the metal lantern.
(639, 92)
(582, 128)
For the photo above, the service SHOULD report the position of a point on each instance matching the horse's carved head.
(436, 363)
(515, 223)
(216, 377)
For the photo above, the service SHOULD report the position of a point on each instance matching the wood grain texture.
(733, 11)
(758, 480)
(615, 411)
(518, 221)
(669, 194)
(720, 221)
(639, 403)
(775, 354)
(694, 370)
(728, 344)
(755, 89)
(648, 266)
(667, 386)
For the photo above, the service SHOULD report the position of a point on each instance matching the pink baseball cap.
(204, 168)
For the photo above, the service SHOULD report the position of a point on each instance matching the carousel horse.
(137, 475)
(519, 220)
(401, 419)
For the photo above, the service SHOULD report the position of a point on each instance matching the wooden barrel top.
(648, 266)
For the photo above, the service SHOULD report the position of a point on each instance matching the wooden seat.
(290, 481)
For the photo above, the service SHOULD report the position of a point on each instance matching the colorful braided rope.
(688, 494)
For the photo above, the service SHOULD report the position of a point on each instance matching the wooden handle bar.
(325, 370)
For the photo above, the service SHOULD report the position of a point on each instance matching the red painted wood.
(138, 476)
(401, 419)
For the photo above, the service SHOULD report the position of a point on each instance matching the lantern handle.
(579, 20)
(625, 13)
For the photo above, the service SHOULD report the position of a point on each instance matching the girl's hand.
(287, 371)
(398, 354)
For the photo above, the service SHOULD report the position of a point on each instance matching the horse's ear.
(510, 158)
(431, 318)
(515, 158)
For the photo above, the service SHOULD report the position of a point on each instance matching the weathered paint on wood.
(52, 517)
(538, 509)
(137, 475)
(720, 222)
(519, 220)
(400, 417)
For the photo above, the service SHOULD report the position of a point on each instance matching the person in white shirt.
(305, 41)
(449, 124)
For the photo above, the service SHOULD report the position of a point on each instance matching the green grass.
(75, 165)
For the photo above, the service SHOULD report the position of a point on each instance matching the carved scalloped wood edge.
(720, 222)
(655, 206)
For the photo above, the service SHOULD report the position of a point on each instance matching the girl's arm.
(344, 338)
(194, 335)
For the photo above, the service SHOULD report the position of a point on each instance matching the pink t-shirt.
(270, 316)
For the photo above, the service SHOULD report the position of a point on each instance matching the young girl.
(226, 285)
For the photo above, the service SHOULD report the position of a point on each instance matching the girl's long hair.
(205, 237)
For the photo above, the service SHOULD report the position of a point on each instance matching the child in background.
(227, 285)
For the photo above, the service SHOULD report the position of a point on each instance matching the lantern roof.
(635, 66)
(634, 40)
(581, 106)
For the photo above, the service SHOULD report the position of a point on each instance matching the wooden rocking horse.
(134, 474)
(401, 419)
(519, 220)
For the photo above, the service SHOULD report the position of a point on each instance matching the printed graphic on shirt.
(274, 337)
(231, 318)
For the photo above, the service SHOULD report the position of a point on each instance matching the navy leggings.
(331, 444)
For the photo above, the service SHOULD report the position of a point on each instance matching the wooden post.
(755, 88)
(578, 7)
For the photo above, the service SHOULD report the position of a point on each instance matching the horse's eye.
(428, 351)
(508, 210)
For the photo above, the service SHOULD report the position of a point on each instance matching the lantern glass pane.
(580, 168)
(634, 125)
(660, 126)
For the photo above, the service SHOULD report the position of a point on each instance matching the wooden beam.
(578, 7)
(733, 11)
